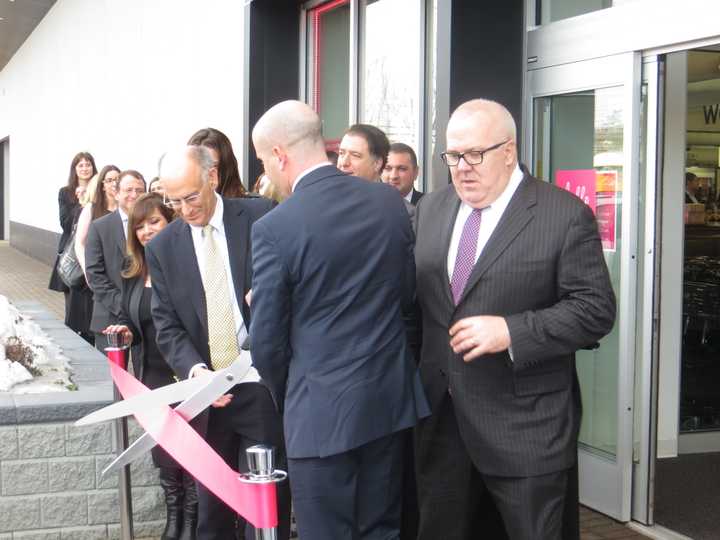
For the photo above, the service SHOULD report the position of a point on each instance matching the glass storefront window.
(578, 145)
(391, 82)
(556, 10)
(328, 71)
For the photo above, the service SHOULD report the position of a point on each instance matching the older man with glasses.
(201, 273)
(511, 282)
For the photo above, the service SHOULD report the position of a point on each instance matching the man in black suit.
(201, 273)
(401, 170)
(330, 280)
(105, 255)
(511, 282)
(692, 188)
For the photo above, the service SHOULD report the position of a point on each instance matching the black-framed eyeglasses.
(471, 157)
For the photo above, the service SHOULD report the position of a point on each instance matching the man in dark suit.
(105, 255)
(511, 282)
(692, 188)
(330, 280)
(201, 272)
(401, 171)
(363, 151)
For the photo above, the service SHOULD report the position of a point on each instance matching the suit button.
(442, 372)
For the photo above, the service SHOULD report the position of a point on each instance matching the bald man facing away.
(201, 272)
(330, 280)
(511, 282)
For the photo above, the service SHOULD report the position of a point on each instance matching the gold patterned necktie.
(221, 323)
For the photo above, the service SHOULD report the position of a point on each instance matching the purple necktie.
(465, 259)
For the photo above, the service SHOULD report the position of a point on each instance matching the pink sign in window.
(597, 189)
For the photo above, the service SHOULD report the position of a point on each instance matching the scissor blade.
(165, 395)
(239, 372)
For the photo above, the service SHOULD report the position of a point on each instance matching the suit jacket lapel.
(236, 233)
(120, 241)
(515, 218)
(452, 206)
(187, 262)
(134, 303)
(136, 286)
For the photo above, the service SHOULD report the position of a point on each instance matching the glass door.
(584, 138)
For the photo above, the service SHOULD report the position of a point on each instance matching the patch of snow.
(47, 357)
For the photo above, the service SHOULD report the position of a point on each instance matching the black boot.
(190, 508)
(171, 482)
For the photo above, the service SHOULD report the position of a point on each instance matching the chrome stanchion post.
(117, 354)
(261, 462)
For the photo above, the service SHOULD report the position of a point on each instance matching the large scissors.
(194, 395)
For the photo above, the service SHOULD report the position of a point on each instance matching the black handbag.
(69, 269)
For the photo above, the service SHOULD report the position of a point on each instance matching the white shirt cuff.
(195, 368)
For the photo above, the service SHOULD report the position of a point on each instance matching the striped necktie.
(465, 260)
(222, 339)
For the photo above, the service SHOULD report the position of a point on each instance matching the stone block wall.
(51, 486)
(50, 470)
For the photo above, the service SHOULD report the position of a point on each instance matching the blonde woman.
(99, 200)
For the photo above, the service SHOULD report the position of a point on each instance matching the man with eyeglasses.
(201, 273)
(105, 255)
(511, 282)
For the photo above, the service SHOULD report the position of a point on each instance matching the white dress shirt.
(216, 221)
(490, 218)
(409, 195)
(124, 218)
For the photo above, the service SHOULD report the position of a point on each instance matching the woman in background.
(229, 183)
(101, 201)
(147, 218)
(155, 186)
(82, 169)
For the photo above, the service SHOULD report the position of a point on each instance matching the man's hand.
(474, 336)
(223, 400)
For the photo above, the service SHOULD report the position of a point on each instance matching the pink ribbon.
(257, 503)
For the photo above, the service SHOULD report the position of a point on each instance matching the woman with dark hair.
(102, 202)
(229, 183)
(155, 185)
(82, 169)
(147, 218)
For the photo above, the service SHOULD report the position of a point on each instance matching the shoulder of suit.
(102, 222)
(255, 206)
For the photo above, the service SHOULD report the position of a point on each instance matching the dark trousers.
(457, 502)
(409, 512)
(350, 496)
(249, 419)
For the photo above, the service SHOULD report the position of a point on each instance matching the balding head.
(484, 133)
(288, 139)
(494, 112)
(189, 176)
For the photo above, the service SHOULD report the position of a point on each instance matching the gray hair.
(199, 155)
(202, 156)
